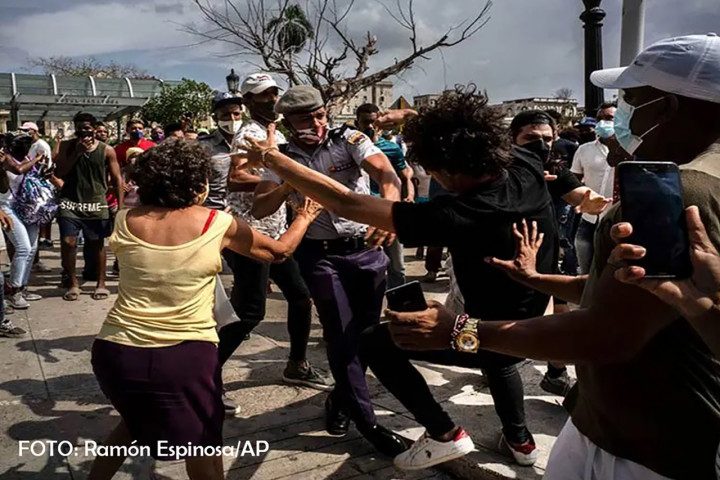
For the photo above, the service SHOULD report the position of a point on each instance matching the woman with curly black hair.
(462, 142)
(156, 356)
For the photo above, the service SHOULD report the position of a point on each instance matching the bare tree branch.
(313, 45)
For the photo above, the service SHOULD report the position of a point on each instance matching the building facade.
(380, 94)
(568, 108)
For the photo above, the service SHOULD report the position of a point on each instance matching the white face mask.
(230, 126)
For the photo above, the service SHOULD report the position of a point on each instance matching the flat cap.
(299, 99)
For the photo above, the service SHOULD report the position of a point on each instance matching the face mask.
(370, 132)
(311, 136)
(159, 137)
(136, 135)
(84, 134)
(230, 126)
(265, 111)
(605, 129)
(587, 137)
(539, 148)
(623, 116)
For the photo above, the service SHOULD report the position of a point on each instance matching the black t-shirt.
(478, 224)
(566, 150)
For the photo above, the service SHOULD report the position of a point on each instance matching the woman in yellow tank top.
(155, 357)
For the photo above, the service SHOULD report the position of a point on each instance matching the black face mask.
(370, 132)
(539, 148)
(265, 111)
(84, 134)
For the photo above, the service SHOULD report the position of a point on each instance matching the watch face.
(467, 342)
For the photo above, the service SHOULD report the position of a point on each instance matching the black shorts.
(93, 229)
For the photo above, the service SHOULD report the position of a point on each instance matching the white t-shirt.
(590, 161)
(41, 146)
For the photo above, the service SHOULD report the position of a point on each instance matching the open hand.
(527, 244)
(691, 297)
(308, 208)
(256, 149)
(593, 204)
(376, 237)
(429, 329)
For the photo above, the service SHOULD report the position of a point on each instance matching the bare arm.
(332, 195)
(240, 180)
(622, 319)
(565, 287)
(115, 175)
(23, 167)
(406, 176)
(246, 241)
(381, 171)
(269, 196)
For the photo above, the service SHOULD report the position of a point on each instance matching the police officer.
(346, 275)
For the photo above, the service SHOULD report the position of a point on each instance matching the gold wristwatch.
(465, 337)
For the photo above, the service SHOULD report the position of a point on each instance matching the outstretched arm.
(334, 196)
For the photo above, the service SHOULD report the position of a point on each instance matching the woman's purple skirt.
(171, 394)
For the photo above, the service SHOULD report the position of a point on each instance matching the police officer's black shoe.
(386, 441)
(337, 421)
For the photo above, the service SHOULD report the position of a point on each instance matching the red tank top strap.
(209, 221)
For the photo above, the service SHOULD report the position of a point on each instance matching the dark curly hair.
(172, 174)
(460, 133)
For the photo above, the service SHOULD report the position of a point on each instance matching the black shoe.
(337, 421)
(387, 442)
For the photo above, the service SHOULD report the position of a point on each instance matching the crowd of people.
(529, 212)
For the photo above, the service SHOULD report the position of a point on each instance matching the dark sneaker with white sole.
(557, 386)
(231, 408)
(8, 329)
(302, 373)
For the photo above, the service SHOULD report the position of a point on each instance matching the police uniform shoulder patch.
(356, 138)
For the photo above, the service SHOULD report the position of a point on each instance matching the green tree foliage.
(293, 29)
(189, 101)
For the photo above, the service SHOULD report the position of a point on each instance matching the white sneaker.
(524, 454)
(17, 301)
(426, 452)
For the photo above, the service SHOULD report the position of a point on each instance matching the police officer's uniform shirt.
(339, 157)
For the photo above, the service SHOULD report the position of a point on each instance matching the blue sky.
(529, 47)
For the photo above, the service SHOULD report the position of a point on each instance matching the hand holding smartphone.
(652, 202)
(406, 298)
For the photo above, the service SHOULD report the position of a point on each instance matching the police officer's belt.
(338, 246)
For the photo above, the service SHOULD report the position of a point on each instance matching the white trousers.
(575, 457)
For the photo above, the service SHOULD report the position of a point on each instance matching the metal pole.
(592, 18)
(633, 30)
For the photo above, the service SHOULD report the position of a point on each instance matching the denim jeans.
(25, 240)
(391, 365)
(584, 246)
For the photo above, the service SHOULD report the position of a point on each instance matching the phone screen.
(652, 201)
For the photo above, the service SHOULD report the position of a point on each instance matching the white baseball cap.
(258, 83)
(688, 66)
(30, 126)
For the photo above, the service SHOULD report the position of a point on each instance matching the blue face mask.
(137, 135)
(623, 116)
(605, 129)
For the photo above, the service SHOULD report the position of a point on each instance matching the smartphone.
(652, 201)
(406, 298)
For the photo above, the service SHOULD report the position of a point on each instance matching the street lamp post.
(592, 18)
(233, 81)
